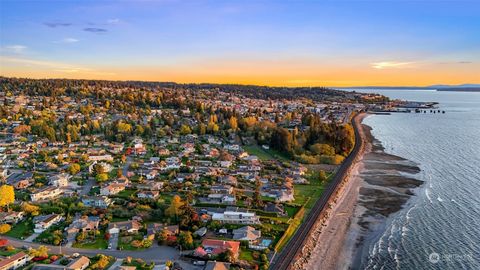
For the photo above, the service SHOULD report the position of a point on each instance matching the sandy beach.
(377, 187)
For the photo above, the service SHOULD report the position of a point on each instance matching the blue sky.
(264, 42)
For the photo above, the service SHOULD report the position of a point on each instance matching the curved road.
(288, 256)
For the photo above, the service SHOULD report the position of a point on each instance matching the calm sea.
(440, 227)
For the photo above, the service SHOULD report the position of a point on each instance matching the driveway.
(88, 185)
(31, 237)
(113, 241)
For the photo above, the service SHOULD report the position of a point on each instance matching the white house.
(46, 193)
(44, 222)
(59, 180)
(235, 217)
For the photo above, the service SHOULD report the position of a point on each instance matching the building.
(14, 262)
(80, 263)
(46, 193)
(11, 217)
(59, 180)
(83, 224)
(235, 217)
(97, 202)
(44, 222)
(214, 265)
(214, 247)
(131, 226)
(100, 158)
(247, 233)
(148, 194)
(112, 189)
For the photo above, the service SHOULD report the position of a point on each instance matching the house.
(235, 217)
(214, 247)
(150, 185)
(20, 180)
(97, 202)
(214, 265)
(148, 194)
(112, 188)
(105, 167)
(221, 199)
(11, 217)
(131, 226)
(100, 158)
(228, 180)
(201, 232)
(222, 189)
(80, 263)
(154, 228)
(59, 180)
(275, 208)
(247, 233)
(45, 193)
(44, 222)
(14, 262)
(83, 224)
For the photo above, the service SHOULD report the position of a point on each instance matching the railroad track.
(287, 257)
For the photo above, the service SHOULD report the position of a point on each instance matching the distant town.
(143, 175)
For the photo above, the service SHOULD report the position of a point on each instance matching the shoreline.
(378, 185)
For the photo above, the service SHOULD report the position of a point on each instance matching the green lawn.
(22, 229)
(258, 151)
(99, 243)
(291, 211)
(246, 255)
(125, 194)
(6, 253)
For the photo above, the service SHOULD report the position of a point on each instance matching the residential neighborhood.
(214, 175)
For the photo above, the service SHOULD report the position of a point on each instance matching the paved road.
(127, 165)
(157, 254)
(88, 186)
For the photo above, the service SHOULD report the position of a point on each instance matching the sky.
(277, 43)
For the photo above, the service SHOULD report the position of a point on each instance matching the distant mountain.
(465, 87)
(471, 85)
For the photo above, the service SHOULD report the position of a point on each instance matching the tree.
(184, 130)
(162, 236)
(74, 168)
(30, 209)
(257, 198)
(22, 129)
(322, 176)
(174, 209)
(101, 263)
(41, 252)
(4, 228)
(233, 123)
(227, 256)
(7, 196)
(322, 149)
(102, 177)
(185, 240)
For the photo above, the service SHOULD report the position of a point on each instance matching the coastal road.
(291, 251)
(157, 254)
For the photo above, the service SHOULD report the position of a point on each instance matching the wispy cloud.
(54, 66)
(113, 21)
(465, 62)
(57, 24)
(392, 64)
(67, 40)
(17, 49)
(95, 30)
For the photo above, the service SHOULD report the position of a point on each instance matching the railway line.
(290, 252)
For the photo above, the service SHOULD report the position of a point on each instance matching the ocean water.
(439, 228)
